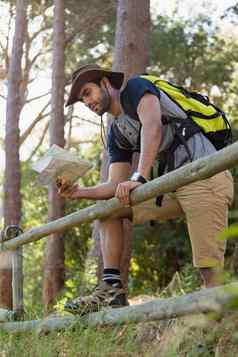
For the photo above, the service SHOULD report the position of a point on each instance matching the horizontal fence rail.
(216, 300)
(197, 170)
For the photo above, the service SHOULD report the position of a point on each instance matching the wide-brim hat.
(90, 73)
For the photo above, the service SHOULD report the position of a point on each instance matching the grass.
(118, 341)
(200, 336)
(194, 336)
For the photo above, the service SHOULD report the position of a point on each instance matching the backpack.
(211, 120)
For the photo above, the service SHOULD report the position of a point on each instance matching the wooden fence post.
(17, 282)
(8, 233)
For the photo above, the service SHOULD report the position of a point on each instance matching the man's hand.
(67, 190)
(123, 191)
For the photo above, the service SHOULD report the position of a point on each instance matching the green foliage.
(186, 281)
(36, 7)
(192, 52)
(158, 252)
(229, 232)
(232, 13)
(91, 35)
(34, 196)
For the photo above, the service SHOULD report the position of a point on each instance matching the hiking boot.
(104, 295)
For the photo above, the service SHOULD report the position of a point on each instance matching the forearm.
(118, 172)
(100, 192)
(150, 116)
(150, 142)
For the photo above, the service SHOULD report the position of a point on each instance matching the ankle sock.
(111, 276)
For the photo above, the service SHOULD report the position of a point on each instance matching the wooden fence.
(199, 169)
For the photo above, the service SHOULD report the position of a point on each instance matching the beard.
(105, 102)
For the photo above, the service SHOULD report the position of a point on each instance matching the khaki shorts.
(205, 206)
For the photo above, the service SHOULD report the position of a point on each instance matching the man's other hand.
(123, 191)
(66, 189)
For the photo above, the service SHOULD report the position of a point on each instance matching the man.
(138, 125)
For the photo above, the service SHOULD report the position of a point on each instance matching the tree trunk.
(12, 197)
(131, 50)
(131, 57)
(54, 250)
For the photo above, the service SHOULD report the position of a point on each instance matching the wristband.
(137, 177)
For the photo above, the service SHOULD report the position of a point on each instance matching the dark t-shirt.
(198, 145)
(129, 98)
(117, 154)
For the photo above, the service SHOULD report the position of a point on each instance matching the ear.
(104, 83)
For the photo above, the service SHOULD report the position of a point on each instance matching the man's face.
(94, 97)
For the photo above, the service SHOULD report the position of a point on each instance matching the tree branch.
(78, 142)
(33, 60)
(37, 33)
(40, 141)
(88, 22)
(2, 96)
(86, 120)
(39, 117)
(2, 46)
(38, 97)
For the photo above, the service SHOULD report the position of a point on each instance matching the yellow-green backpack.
(211, 120)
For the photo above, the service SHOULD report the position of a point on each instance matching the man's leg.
(111, 229)
(111, 238)
(206, 204)
(110, 292)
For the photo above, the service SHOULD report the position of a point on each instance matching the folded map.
(58, 162)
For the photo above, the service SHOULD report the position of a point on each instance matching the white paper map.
(60, 162)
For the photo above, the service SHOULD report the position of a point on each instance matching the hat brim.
(116, 79)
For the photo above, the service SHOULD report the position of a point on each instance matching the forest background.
(199, 51)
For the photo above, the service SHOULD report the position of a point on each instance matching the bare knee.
(115, 221)
(109, 222)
